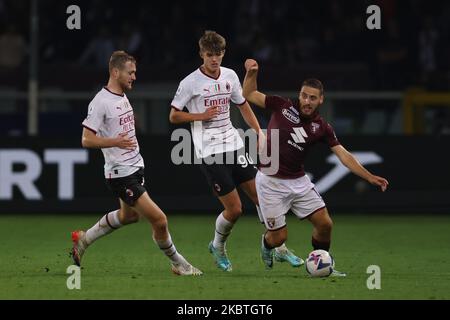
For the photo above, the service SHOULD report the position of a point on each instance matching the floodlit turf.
(413, 253)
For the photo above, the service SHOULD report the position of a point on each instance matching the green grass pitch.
(413, 253)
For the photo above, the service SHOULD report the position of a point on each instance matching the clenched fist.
(251, 65)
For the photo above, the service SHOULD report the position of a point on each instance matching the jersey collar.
(220, 71)
(116, 94)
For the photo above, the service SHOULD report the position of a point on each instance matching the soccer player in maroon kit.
(300, 127)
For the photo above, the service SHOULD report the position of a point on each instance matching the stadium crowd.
(411, 48)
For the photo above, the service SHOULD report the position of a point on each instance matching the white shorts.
(277, 196)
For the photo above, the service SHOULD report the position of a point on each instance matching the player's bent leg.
(266, 253)
(249, 188)
(127, 215)
(322, 227)
(276, 237)
(81, 240)
(282, 253)
(146, 207)
(270, 240)
(233, 206)
(321, 237)
(224, 225)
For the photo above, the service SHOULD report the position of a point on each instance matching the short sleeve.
(95, 117)
(330, 136)
(182, 96)
(274, 102)
(236, 93)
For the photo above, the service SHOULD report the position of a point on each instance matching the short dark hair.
(212, 41)
(119, 58)
(313, 83)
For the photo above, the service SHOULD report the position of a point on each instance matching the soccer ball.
(319, 263)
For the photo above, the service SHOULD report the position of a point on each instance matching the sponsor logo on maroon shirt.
(290, 116)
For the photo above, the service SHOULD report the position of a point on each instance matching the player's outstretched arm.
(177, 117)
(249, 117)
(354, 166)
(250, 87)
(90, 140)
(251, 120)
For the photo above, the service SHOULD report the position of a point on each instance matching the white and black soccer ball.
(319, 263)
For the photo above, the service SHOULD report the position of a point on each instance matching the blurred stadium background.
(386, 94)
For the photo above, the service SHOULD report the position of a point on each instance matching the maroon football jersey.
(297, 135)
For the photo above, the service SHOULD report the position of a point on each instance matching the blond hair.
(119, 58)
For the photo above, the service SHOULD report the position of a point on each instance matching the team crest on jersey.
(314, 127)
(129, 192)
(290, 116)
(228, 86)
(271, 222)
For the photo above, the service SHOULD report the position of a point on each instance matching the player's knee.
(133, 218)
(325, 226)
(235, 211)
(282, 238)
(160, 224)
(277, 238)
(128, 216)
(279, 241)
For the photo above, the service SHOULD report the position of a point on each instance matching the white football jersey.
(108, 115)
(198, 92)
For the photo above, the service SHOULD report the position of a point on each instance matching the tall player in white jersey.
(109, 125)
(206, 93)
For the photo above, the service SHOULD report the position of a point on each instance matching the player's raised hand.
(251, 65)
(210, 113)
(379, 181)
(124, 142)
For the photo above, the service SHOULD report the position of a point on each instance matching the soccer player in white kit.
(300, 127)
(207, 93)
(109, 125)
